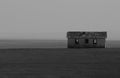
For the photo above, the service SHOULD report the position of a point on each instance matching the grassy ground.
(60, 63)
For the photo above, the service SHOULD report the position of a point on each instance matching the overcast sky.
(51, 19)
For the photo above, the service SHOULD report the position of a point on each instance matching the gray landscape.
(59, 39)
(60, 63)
(51, 59)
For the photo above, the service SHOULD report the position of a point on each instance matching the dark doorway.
(76, 41)
(86, 41)
(83, 33)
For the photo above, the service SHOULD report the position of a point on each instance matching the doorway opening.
(86, 41)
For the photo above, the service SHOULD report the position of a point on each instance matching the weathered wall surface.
(71, 43)
(101, 43)
(82, 44)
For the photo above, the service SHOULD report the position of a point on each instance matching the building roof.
(86, 34)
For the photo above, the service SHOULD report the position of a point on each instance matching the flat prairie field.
(60, 63)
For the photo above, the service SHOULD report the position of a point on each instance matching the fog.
(51, 19)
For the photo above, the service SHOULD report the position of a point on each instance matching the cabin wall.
(90, 44)
(82, 44)
(100, 43)
(71, 43)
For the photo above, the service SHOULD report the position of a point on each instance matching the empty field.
(60, 63)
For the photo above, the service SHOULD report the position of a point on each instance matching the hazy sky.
(51, 19)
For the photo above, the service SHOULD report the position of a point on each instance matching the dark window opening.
(83, 32)
(95, 41)
(76, 41)
(86, 41)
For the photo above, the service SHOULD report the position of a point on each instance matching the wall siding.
(100, 43)
(71, 43)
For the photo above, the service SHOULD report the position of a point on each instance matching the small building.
(86, 39)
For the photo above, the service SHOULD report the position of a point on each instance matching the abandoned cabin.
(86, 39)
